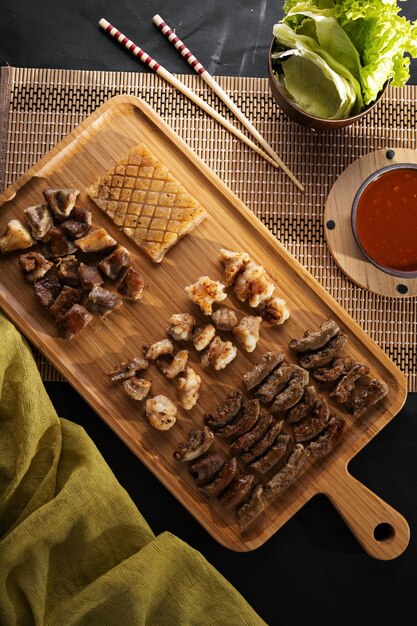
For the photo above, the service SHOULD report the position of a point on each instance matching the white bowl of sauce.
(384, 219)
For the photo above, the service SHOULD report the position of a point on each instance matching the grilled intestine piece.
(293, 392)
(318, 358)
(67, 297)
(223, 479)
(253, 285)
(234, 262)
(114, 263)
(274, 383)
(313, 424)
(288, 474)
(196, 444)
(102, 301)
(202, 336)
(129, 368)
(249, 439)
(172, 365)
(328, 440)
(39, 219)
(248, 512)
(78, 223)
(75, 320)
(17, 237)
(219, 354)
(225, 412)
(247, 332)
(243, 423)
(161, 412)
(137, 388)
(47, 290)
(276, 454)
(303, 407)
(224, 318)
(206, 468)
(180, 326)
(60, 201)
(34, 265)
(274, 311)
(188, 389)
(338, 367)
(89, 276)
(346, 385)
(55, 245)
(374, 391)
(97, 241)
(237, 491)
(266, 365)
(205, 292)
(68, 270)
(315, 340)
(157, 349)
(132, 284)
(263, 444)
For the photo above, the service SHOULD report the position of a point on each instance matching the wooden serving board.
(82, 157)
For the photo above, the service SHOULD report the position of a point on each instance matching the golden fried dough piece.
(205, 292)
(161, 412)
(17, 237)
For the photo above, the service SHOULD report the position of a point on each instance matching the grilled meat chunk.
(219, 354)
(274, 383)
(223, 479)
(315, 340)
(96, 241)
(78, 223)
(225, 412)
(249, 439)
(205, 292)
(243, 423)
(39, 220)
(47, 290)
(157, 349)
(247, 332)
(188, 389)
(196, 444)
(328, 440)
(276, 454)
(293, 392)
(267, 364)
(172, 365)
(64, 301)
(203, 336)
(288, 474)
(253, 285)
(132, 284)
(137, 388)
(374, 391)
(180, 326)
(17, 237)
(161, 412)
(129, 368)
(205, 469)
(248, 512)
(237, 491)
(263, 444)
(313, 424)
(60, 201)
(338, 367)
(274, 311)
(55, 245)
(68, 270)
(75, 320)
(303, 407)
(318, 358)
(224, 318)
(34, 265)
(102, 301)
(234, 262)
(114, 263)
(89, 276)
(346, 385)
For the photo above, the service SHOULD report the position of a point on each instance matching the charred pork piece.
(234, 262)
(314, 341)
(273, 311)
(328, 440)
(188, 389)
(242, 424)
(238, 491)
(47, 290)
(129, 368)
(39, 220)
(55, 245)
(223, 479)
(102, 301)
(276, 454)
(274, 383)
(288, 474)
(196, 444)
(97, 241)
(226, 412)
(75, 320)
(160, 412)
(157, 349)
(219, 354)
(346, 385)
(205, 292)
(253, 285)
(89, 276)
(132, 284)
(60, 201)
(114, 263)
(321, 357)
(171, 366)
(17, 237)
(338, 367)
(313, 424)
(303, 407)
(203, 336)
(224, 318)
(293, 392)
(249, 439)
(137, 388)
(247, 332)
(248, 512)
(68, 270)
(267, 364)
(263, 445)
(78, 223)
(205, 469)
(67, 297)
(374, 391)
(34, 265)
(180, 326)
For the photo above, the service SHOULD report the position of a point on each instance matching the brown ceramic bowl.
(299, 116)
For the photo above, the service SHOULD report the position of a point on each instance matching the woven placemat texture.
(39, 107)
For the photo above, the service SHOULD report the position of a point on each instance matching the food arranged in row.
(71, 262)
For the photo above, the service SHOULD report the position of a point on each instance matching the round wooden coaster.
(338, 229)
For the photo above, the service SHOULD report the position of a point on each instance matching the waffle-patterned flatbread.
(142, 197)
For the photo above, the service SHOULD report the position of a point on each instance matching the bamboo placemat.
(39, 107)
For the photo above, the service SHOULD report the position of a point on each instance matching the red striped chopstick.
(175, 82)
(208, 78)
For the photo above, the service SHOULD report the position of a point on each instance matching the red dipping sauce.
(384, 219)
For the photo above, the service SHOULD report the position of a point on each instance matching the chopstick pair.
(269, 156)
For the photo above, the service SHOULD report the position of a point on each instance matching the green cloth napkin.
(73, 547)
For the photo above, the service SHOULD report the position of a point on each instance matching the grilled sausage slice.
(248, 512)
(196, 444)
(321, 357)
(346, 385)
(238, 491)
(226, 412)
(303, 407)
(328, 440)
(266, 366)
(274, 383)
(223, 479)
(263, 445)
(338, 367)
(205, 469)
(243, 423)
(244, 442)
(275, 455)
(315, 340)
(374, 391)
(288, 474)
(293, 392)
(314, 424)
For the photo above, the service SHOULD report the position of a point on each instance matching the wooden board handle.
(380, 529)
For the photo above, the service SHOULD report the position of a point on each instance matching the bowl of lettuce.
(331, 61)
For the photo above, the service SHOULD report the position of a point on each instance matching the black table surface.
(312, 570)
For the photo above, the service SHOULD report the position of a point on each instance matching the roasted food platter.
(86, 360)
